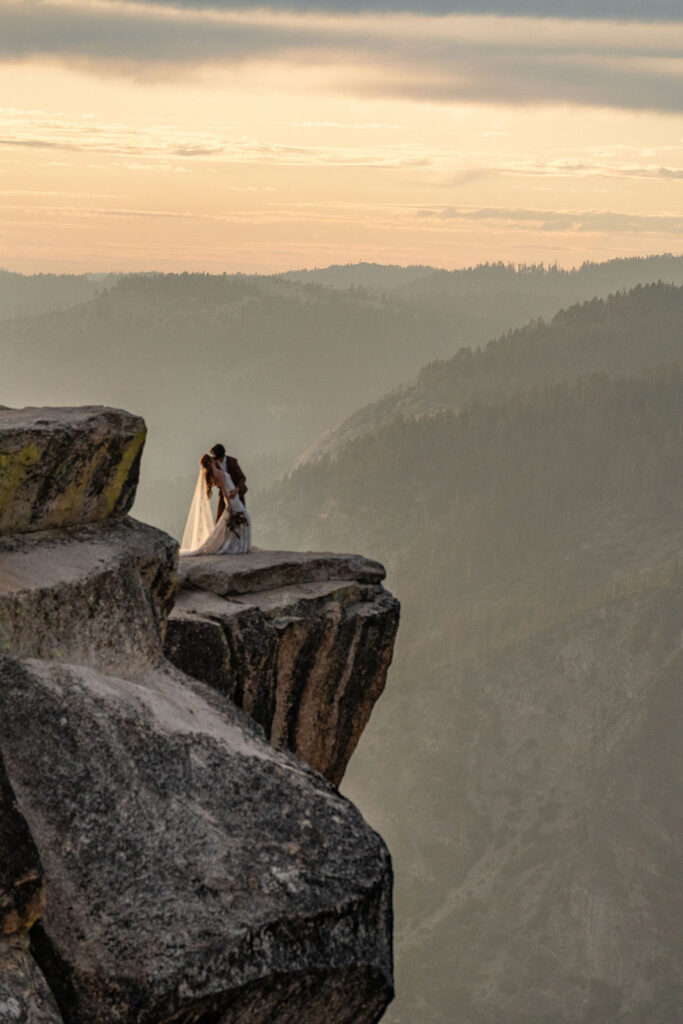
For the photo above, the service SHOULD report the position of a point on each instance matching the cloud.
(39, 130)
(499, 220)
(354, 125)
(516, 60)
(625, 10)
(564, 168)
(604, 221)
(64, 195)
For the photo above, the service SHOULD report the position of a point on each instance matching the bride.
(232, 533)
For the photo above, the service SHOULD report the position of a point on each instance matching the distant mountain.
(28, 294)
(501, 520)
(265, 363)
(620, 334)
(261, 363)
(521, 761)
(372, 276)
(483, 301)
(550, 285)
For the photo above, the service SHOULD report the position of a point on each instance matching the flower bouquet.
(236, 520)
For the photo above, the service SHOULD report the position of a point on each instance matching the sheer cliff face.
(167, 862)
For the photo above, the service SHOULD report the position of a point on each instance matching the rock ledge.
(265, 570)
(301, 640)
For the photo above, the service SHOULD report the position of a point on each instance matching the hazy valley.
(509, 442)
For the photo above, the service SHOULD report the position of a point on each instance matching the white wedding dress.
(201, 537)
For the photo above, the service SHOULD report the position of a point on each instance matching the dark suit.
(239, 481)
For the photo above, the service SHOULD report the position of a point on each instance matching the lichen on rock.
(60, 467)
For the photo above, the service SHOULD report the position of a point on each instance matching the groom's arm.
(221, 505)
(240, 480)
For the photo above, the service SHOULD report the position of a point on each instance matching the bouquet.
(236, 520)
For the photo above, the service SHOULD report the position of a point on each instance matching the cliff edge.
(161, 860)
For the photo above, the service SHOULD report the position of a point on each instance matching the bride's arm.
(222, 484)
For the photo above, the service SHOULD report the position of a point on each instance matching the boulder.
(24, 995)
(95, 594)
(265, 570)
(196, 874)
(22, 895)
(307, 660)
(60, 467)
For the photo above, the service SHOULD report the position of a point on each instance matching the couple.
(231, 534)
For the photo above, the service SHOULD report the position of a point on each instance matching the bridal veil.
(199, 521)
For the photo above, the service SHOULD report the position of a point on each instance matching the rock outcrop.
(302, 642)
(187, 859)
(268, 570)
(193, 873)
(59, 467)
(96, 595)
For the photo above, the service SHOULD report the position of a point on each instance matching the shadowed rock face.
(60, 467)
(24, 995)
(307, 659)
(188, 859)
(194, 873)
(22, 894)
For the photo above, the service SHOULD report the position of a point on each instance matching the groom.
(229, 465)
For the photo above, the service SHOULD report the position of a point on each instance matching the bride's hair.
(206, 462)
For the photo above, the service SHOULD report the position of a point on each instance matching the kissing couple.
(231, 533)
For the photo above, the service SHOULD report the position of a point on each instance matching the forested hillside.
(28, 294)
(269, 364)
(620, 334)
(544, 280)
(503, 519)
(534, 535)
(485, 300)
(262, 364)
(372, 276)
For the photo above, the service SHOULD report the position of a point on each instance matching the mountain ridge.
(599, 335)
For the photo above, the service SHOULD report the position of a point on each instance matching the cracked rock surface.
(307, 658)
(191, 866)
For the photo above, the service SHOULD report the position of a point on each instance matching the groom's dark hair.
(218, 451)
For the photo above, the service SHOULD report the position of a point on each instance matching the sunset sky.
(233, 136)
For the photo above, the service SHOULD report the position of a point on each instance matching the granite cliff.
(160, 859)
